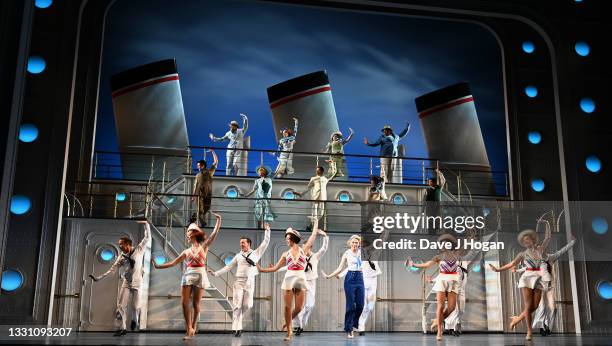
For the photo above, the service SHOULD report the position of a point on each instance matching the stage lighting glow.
(171, 200)
(537, 185)
(120, 196)
(604, 289)
(232, 192)
(531, 91)
(20, 204)
(43, 3)
(28, 133)
(593, 164)
(107, 255)
(398, 199)
(587, 105)
(486, 211)
(160, 259)
(344, 197)
(599, 225)
(534, 137)
(582, 48)
(228, 259)
(288, 194)
(476, 268)
(36, 64)
(11, 280)
(528, 47)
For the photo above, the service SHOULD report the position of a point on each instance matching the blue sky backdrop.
(228, 52)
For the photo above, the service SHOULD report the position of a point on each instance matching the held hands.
(494, 268)
(211, 272)
(154, 264)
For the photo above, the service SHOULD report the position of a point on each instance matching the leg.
(185, 296)
(349, 292)
(550, 313)
(202, 210)
(197, 299)
(298, 295)
(359, 302)
(288, 298)
(370, 301)
(229, 161)
(309, 304)
(440, 299)
(123, 300)
(238, 306)
(135, 309)
(451, 298)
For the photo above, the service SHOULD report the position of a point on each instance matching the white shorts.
(195, 277)
(446, 283)
(531, 279)
(294, 279)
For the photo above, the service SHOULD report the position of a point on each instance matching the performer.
(530, 282)
(335, 148)
(130, 261)
(203, 188)
(374, 204)
(263, 192)
(433, 196)
(544, 316)
(294, 283)
(285, 149)
(311, 270)
(354, 288)
(388, 142)
(194, 280)
(244, 282)
(447, 282)
(370, 280)
(235, 136)
(317, 186)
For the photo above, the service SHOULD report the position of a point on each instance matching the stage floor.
(318, 339)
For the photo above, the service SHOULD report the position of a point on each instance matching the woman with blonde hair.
(194, 280)
(447, 282)
(354, 288)
(294, 284)
(530, 281)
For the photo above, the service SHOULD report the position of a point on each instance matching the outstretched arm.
(245, 123)
(295, 127)
(313, 236)
(441, 178)
(215, 231)
(252, 191)
(348, 139)
(508, 265)
(147, 235)
(172, 263)
(218, 139)
(405, 131)
(227, 268)
(343, 263)
(276, 267)
(555, 256)
(264, 244)
(215, 164)
(323, 248)
(427, 264)
(118, 263)
(375, 144)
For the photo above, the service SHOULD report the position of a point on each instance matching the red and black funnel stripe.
(443, 96)
(298, 85)
(143, 73)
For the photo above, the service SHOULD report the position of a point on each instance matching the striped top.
(449, 263)
(195, 260)
(298, 263)
(532, 259)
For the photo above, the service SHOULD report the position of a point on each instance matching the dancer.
(203, 187)
(263, 192)
(447, 282)
(294, 283)
(235, 136)
(244, 282)
(354, 288)
(335, 148)
(317, 186)
(311, 270)
(285, 149)
(374, 205)
(544, 316)
(433, 196)
(530, 282)
(130, 261)
(194, 280)
(388, 142)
